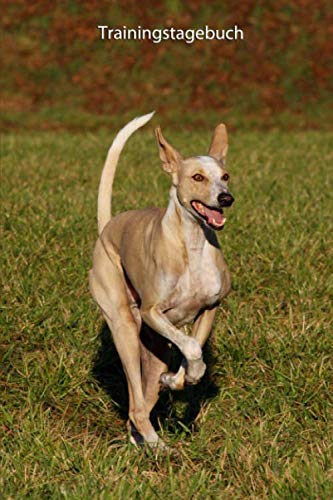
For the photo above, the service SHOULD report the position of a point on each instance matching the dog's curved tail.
(109, 169)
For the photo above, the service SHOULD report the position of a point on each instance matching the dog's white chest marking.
(202, 275)
(198, 287)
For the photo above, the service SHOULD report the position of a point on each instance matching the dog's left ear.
(219, 145)
(170, 157)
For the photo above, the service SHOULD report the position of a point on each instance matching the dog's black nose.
(225, 199)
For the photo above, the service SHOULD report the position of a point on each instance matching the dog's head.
(201, 181)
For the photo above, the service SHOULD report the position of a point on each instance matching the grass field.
(259, 425)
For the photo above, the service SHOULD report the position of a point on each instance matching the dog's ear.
(169, 156)
(219, 145)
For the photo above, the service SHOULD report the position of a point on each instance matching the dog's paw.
(173, 381)
(152, 441)
(195, 371)
(134, 436)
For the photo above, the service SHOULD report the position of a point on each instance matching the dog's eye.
(225, 177)
(198, 177)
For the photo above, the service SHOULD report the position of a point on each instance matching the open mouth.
(213, 216)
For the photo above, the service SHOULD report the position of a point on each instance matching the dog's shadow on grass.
(108, 372)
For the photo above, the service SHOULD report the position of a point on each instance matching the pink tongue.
(214, 217)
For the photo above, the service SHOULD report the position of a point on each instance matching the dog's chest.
(198, 287)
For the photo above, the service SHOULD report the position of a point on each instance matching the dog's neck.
(178, 222)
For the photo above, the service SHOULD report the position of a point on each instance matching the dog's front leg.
(188, 346)
(200, 331)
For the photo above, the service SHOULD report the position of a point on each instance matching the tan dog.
(162, 267)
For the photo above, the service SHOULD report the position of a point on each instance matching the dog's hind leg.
(108, 288)
(155, 356)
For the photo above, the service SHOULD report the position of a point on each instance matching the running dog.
(162, 268)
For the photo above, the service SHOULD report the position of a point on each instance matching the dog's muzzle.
(225, 199)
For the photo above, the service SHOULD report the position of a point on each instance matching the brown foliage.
(52, 56)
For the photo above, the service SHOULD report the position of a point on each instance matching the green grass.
(260, 423)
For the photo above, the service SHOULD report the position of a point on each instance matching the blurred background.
(58, 74)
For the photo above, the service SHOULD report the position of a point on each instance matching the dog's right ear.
(169, 156)
(219, 146)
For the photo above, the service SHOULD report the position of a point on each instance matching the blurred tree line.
(57, 72)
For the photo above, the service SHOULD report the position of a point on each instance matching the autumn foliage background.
(58, 73)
